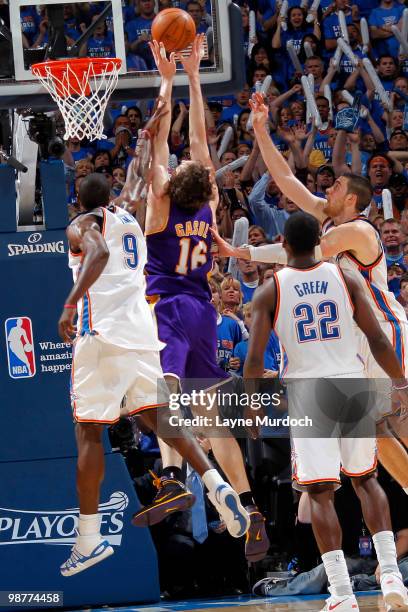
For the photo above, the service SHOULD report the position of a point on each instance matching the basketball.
(175, 28)
(28, 348)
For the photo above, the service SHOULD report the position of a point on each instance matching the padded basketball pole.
(57, 46)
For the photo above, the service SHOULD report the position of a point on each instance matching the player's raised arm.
(137, 178)
(277, 165)
(197, 130)
(198, 134)
(160, 147)
(84, 236)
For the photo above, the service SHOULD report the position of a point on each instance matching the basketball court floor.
(367, 601)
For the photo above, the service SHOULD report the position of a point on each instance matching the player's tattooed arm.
(85, 238)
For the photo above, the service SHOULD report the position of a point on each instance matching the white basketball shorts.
(342, 432)
(320, 460)
(397, 334)
(103, 374)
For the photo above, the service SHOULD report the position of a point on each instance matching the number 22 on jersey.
(189, 261)
(316, 322)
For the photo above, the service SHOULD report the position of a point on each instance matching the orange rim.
(57, 70)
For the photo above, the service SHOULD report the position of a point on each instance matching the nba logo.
(20, 347)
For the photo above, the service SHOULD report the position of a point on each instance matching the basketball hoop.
(81, 88)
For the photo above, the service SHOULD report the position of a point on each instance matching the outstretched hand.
(166, 67)
(260, 112)
(225, 249)
(191, 64)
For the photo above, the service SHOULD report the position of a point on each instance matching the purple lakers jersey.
(178, 257)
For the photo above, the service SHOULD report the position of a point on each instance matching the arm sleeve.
(269, 253)
(275, 253)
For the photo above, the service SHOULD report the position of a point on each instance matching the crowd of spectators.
(317, 152)
(377, 148)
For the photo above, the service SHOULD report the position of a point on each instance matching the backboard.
(219, 74)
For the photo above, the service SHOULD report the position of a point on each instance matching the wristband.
(69, 305)
(400, 388)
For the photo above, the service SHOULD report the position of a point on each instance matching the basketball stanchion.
(38, 500)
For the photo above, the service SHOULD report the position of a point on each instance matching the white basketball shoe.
(78, 562)
(346, 603)
(394, 592)
(229, 506)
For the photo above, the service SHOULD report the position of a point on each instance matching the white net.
(81, 95)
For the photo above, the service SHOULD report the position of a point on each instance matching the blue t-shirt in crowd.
(377, 109)
(324, 5)
(183, 5)
(228, 335)
(364, 7)
(279, 143)
(331, 26)
(380, 17)
(30, 20)
(295, 37)
(377, 197)
(134, 29)
(229, 111)
(83, 153)
(322, 143)
(272, 354)
(392, 259)
(101, 47)
(347, 67)
(247, 292)
(364, 156)
(135, 63)
(128, 12)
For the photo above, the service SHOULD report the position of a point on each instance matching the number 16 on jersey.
(190, 261)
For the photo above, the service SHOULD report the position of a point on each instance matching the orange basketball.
(175, 28)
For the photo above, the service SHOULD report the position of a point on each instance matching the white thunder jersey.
(373, 279)
(115, 306)
(314, 322)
